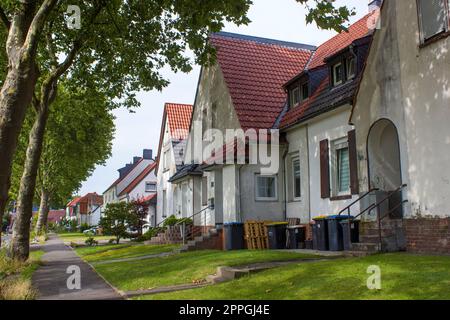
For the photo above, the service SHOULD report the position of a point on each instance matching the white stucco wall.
(139, 191)
(425, 85)
(332, 125)
(298, 147)
(163, 176)
(409, 85)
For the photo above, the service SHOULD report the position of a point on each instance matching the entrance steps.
(210, 240)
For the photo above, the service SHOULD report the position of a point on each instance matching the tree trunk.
(20, 244)
(43, 211)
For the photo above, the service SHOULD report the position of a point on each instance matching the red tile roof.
(255, 70)
(179, 119)
(55, 215)
(148, 198)
(138, 179)
(73, 202)
(357, 30)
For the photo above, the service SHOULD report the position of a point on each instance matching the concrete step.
(365, 247)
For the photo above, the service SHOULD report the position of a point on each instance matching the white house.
(174, 132)
(127, 175)
(243, 90)
(401, 119)
(321, 169)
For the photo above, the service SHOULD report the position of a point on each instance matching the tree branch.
(4, 18)
(36, 26)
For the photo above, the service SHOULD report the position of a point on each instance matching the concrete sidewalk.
(51, 278)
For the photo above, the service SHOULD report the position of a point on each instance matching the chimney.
(375, 5)
(136, 159)
(147, 154)
(125, 170)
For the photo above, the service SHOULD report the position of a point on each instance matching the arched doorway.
(383, 150)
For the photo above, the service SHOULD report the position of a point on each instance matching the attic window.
(305, 91)
(433, 18)
(295, 96)
(338, 74)
(351, 68)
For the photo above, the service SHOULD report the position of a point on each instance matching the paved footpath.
(51, 278)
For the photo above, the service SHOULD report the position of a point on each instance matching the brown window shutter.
(353, 155)
(324, 169)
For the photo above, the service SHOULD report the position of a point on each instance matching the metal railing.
(371, 207)
(348, 208)
(188, 231)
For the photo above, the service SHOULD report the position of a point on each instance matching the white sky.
(281, 20)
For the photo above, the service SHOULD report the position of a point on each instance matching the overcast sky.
(281, 20)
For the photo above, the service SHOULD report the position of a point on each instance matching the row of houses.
(358, 124)
(362, 121)
(136, 182)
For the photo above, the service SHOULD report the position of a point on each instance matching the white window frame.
(292, 96)
(293, 178)
(166, 160)
(338, 144)
(349, 63)
(424, 40)
(147, 183)
(258, 198)
(335, 66)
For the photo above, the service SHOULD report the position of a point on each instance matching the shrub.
(170, 221)
(91, 242)
(83, 227)
(152, 232)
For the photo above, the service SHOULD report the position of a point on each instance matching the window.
(204, 191)
(433, 18)
(305, 91)
(166, 160)
(150, 186)
(351, 68)
(340, 168)
(296, 179)
(295, 96)
(338, 74)
(266, 187)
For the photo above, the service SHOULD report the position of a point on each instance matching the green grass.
(403, 276)
(183, 268)
(110, 252)
(80, 237)
(15, 276)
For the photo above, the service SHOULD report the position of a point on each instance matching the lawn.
(80, 237)
(183, 268)
(403, 276)
(110, 252)
(15, 277)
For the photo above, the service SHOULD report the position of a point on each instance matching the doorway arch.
(384, 163)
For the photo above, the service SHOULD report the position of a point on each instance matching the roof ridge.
(288, 44)
(178, 104)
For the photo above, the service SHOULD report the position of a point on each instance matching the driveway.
(60, 270)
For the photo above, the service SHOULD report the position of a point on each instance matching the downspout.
(239, 192)
(285, 153)
(309, 170)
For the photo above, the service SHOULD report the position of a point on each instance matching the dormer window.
(298, 93)
(338, 74)
(351, 68)
(305, 91)
(295, 96)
